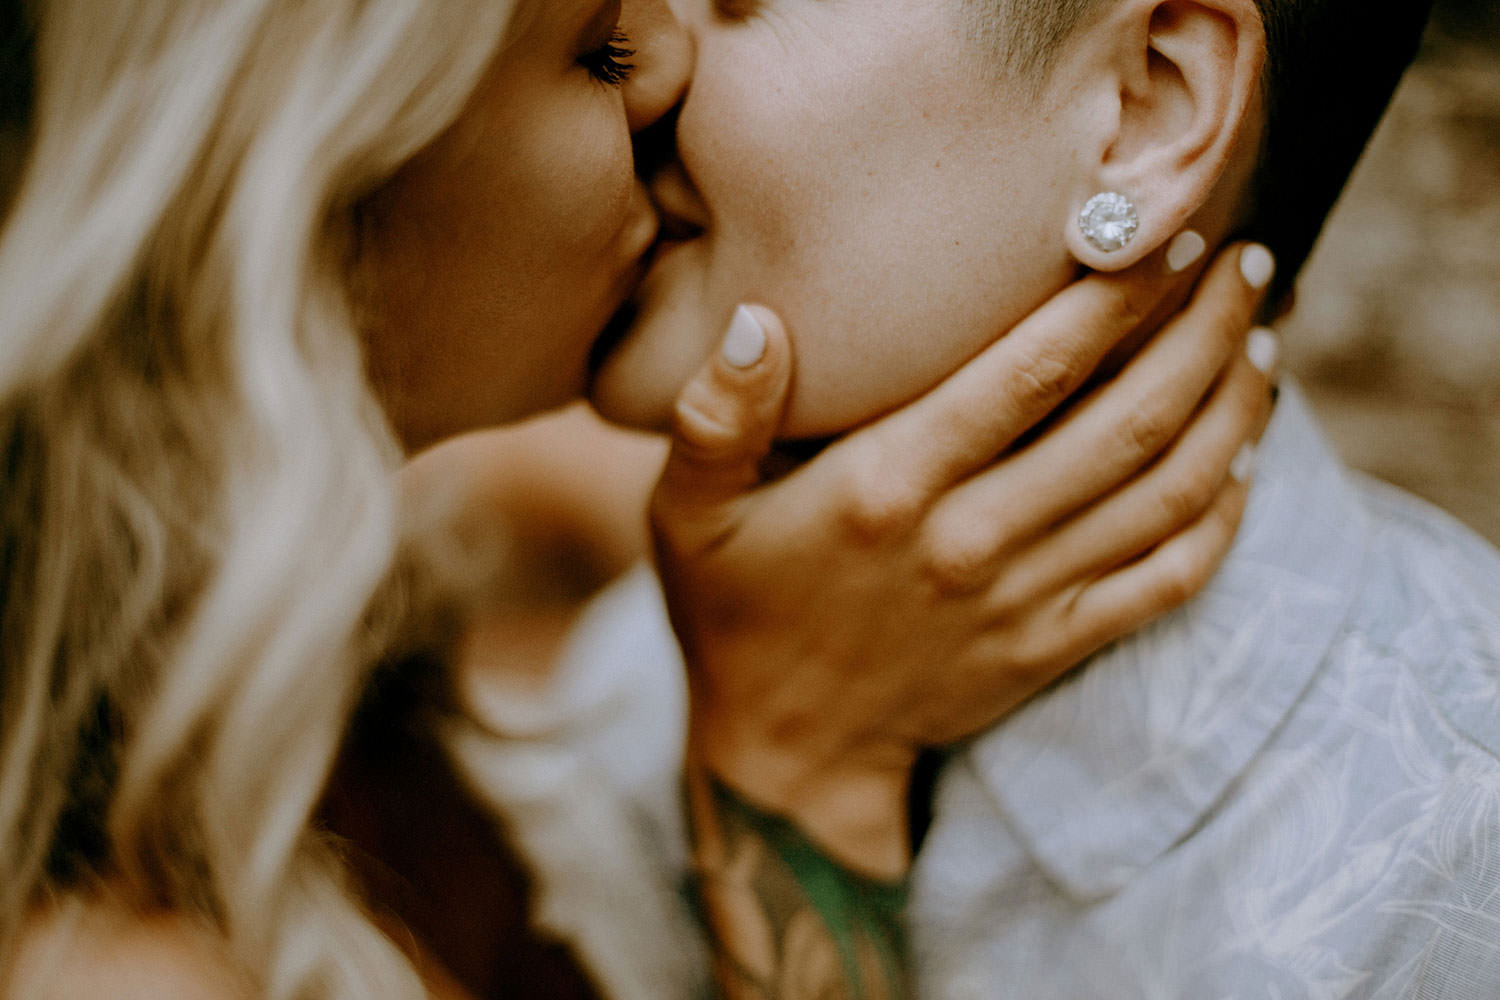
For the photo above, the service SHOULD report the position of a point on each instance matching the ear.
(1169, 84)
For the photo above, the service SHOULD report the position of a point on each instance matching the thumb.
(724, 423)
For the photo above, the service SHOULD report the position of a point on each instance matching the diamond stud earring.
(1109, 221)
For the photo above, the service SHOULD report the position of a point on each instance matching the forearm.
(785, 920)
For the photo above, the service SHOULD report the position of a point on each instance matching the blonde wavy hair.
(197, 504)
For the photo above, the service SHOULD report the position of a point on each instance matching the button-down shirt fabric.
(1287, 789)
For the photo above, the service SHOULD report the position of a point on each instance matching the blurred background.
(1396, 332)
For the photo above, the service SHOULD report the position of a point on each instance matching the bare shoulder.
(86, 951)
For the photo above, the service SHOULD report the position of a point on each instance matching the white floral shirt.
(1287, 789)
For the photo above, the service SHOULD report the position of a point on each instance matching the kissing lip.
(671, 234)
(619, 324)
(614, 332)
(667, 243)
(674, 230)
(676, 214)
(678, 205)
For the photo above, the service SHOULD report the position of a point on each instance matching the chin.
(664, 337)
(629, 391)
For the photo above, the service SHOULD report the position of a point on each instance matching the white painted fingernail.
(1187, 247)
(745, 342)
(1263, 347)
(1257, 265)
(1243, 464)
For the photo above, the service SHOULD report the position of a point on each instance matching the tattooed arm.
(787, 921)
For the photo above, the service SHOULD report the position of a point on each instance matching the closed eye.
(610, 63)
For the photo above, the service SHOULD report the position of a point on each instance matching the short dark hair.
(1331, 68)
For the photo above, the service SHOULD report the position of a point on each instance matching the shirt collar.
(1101, 774)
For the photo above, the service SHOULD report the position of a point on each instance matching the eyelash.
(610, 62)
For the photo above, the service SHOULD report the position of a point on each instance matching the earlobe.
(1182, 78)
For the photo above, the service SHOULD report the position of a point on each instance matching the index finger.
(965, 421)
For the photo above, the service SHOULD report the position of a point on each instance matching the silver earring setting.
(1109, 221)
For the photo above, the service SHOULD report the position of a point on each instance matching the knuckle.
(1044, 377)
(703, 425)
(1125, 303)
(1184, 574)
(1039, 661)
(1172, 590)
(1186, 498)
(879, 507)
(1034, 655)
(1133, 302)
(1176, 505)
(1146, 431)
(957, 560)
(1008, 600)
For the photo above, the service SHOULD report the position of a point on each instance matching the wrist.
(852, 805)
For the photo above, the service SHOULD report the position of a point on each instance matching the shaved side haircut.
(1331, 68)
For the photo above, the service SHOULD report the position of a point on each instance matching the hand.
(905, 588)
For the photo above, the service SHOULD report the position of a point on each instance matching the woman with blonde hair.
(258, 250)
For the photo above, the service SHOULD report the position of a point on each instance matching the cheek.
(499, 263)
(897, 226)
(893, 244)
(903, 289)
(570, 196)
(763, 155)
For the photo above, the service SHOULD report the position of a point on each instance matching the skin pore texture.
(791, 178)
(897, 197)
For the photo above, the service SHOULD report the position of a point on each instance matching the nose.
(663, 60)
